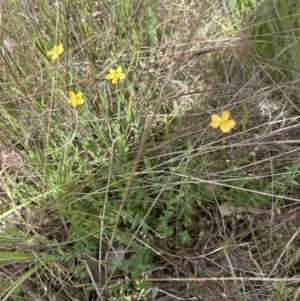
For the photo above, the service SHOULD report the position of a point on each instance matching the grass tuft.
(122, 176)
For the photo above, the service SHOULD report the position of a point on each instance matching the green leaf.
(185, 239)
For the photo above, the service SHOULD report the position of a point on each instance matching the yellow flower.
(222, 122)
(114, 75)
(75, 99)
(56, 51)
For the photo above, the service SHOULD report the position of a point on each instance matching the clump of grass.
(114, 157)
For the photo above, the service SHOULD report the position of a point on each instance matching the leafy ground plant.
(149, 150)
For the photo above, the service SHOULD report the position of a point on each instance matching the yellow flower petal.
(115, 75)
(122, 76)
(215, 121)
(109, 76)
(53, 54)
(60, 49)
(227, 126)
(56, 51)
(79, 95)
(215, 117)
(231, 123)
(225, 115)
(223, 122)
(71, 94)
(70, 102)
(75, 99)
